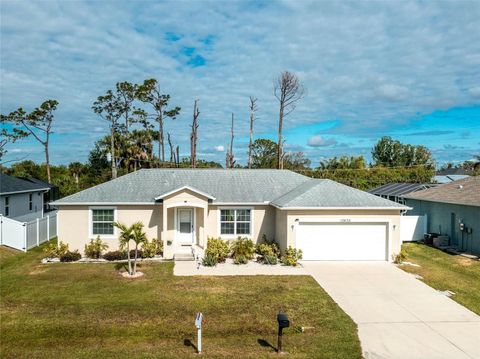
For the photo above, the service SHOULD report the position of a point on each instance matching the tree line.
(138, 116)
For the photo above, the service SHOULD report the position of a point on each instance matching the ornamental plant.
(95, 248)
(291, 256)
(218, 249)
(243, 246)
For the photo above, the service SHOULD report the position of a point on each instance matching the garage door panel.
(346, 241)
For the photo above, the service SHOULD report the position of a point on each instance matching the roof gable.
(166, 194)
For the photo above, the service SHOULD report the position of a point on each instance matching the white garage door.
(345, 241)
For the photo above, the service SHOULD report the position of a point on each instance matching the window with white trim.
(102, 221)
(235, 222)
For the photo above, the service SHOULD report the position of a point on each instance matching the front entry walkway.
(397, 315)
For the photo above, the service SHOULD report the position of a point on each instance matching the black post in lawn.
(283, 322)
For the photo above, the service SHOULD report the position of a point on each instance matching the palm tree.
(126, 235)
(139, 237)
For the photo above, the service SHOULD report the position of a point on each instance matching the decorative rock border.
(101, 260)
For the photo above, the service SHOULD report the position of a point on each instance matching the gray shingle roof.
(330, 194)
(466, 191)
(10, 184)
(229, 186)
(225, 185)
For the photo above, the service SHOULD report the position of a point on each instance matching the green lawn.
(90, 311)
(444, 271)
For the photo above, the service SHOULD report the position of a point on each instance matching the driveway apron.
(398, 316)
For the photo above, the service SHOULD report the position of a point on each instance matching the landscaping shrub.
(240, 259)
(95, 248)
(139, 253)
(272, 260)
(149, 249)
(115, 255)
(399, 257)
(209, 260)
(159, 246)
(291, 256)
(243, 247)
(218, 249)
(153, 248)
(70, 256)
(52, 250)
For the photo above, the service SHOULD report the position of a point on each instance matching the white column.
(204, 234)
(48, 227)
(38, 232)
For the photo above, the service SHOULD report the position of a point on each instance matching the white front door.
(185, 225)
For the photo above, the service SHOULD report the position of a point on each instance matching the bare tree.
(172, 153)
(193, 135)
(177, 159)
(253, 109)
(150, 93)
(230, 162)
(38, 123)
(288, 90)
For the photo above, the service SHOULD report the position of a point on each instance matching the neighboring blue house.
(453, 209)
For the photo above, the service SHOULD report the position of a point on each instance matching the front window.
(235, 222)
(102, 221)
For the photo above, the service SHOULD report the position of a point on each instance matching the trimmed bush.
(139, 253)
(291, 256)
(52, 250)
(159, 246)
(149, 249)
(268, 259)
(70, 256)
(243, 246)
(399, 257)
(209, 260)
(240, 259)
(217, 248)
(115, 255)
(153, 248)
(95, 248)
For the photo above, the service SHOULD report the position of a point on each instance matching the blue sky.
(410, 70)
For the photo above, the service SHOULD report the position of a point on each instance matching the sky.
(410, 70)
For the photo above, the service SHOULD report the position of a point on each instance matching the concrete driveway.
(397, 315)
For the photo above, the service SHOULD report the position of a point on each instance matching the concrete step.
(183, 257)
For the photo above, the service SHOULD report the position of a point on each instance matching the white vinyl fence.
(27, 235)
(412, 228)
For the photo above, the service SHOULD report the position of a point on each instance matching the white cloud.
(475, 91)
(219, 148)
(392, 92)
(371, 65)
(320, 141)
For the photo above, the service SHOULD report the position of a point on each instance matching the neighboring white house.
(21, 199)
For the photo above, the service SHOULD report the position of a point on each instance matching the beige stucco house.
(183, 207)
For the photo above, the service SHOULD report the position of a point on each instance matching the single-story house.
(453, 209)
(21, 199)
(396, 191)
(183, 207)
